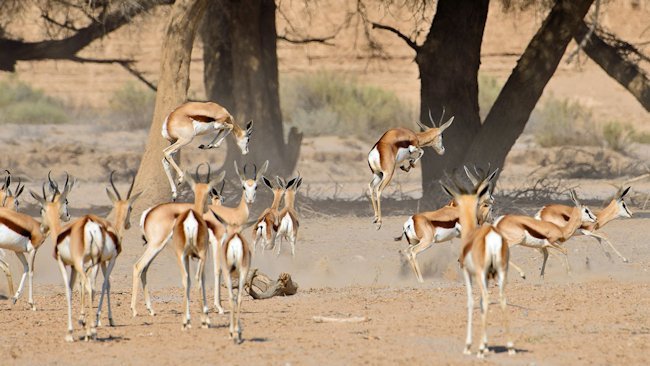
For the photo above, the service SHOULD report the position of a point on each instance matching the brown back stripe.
(15, 227)
(202, 118)
(566, 217)
(445, 224)
(533, 232)
(403, 144)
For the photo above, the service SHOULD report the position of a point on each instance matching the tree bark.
(448, 62)
(616, 65)
(244, 79)
(173, 84)
(12, 51)
(508, 116)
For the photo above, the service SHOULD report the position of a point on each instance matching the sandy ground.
(597, 315)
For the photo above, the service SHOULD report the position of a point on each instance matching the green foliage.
(132, 106)
(20, 103)
(563, 122)
(488, 91)
(328, 104)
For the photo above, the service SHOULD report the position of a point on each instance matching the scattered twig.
(326, 319)
(411, 43)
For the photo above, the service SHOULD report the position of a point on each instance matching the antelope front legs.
(10, 281)
(601, 238)
(218, 138)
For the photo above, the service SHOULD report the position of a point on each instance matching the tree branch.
(12, 51)
(401, 35)
(322, 40)
(66, 25)
(126, 64)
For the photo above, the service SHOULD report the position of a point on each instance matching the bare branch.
(586, 38)
(126, 64)
(65, 25)
(401, 35)
(323, 40)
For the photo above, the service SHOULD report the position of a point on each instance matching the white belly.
(533, 241)
(373, 160)
(63, 249)
(11, 240)
(109, 249)
(409, 231)
(201, 128)
(402, 154)
(443, 234)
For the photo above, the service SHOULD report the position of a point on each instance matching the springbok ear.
(483, 190)
(448, 190)
(298, 183)
(280, 182)
(574, 197)
(217, 179)
(7, 182)
(249, 127)
(619, 197)
(422, 126)
(135, 197)
(291, 182)
(111, 195)
(19, 191)
(472, 178)
(38, 198)
(241, 176)
(263, 170)
(267, 182)
(446, 124)
(492, 175)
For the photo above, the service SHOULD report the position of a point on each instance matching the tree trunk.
(616, 65)
(448, 62)
(173, 84)
(506, 120)
(244, 37)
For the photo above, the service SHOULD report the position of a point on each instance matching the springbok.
(9, 199)
(235, 216)
(235, 259)
(266, 226)
(22, 234)
(157, 225)
(542, 235)
(288, 228)
(559, 215)
(193, 119)
(87, 243)
(484, 255)
(403, 147)
(424, 229)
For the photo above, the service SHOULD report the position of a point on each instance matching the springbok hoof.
(82, 322)
(625, 260)
(111, 323)
(13, 300)
(32, 306)
(378, 225)
(220, 310)
(69, 338)
(187, 326)
(203, 147)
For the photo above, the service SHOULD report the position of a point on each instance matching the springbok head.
(250, 185)
(243, 137)
(122, 207)
(623, 211)
(54, 208)
(587, 216)
(432, 136)
(202, 189)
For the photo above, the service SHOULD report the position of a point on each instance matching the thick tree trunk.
(616, 65)
(247, 73)
(448, 62)
(173, 84)
(506, 120)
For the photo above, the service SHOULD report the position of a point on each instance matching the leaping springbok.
(559, 215)
(542, 235)
(424, 229)
(85, 244)
(403, 147)
(484, 255)
(193, 119)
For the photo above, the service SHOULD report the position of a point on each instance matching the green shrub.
(488, 91)
(563, 122)
(20, 103)
(132, 106)
(328, 104)
(641, 137)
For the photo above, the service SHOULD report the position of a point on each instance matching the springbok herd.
(89, 243)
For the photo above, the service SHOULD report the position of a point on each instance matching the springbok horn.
(113, 185)
(442, 115)
(245, 175)
(433, 123)
(254, 171)
(207, 180)
(53, 184)
(44, 195)
(128, 195)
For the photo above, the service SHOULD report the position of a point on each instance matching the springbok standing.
(289, 224)
(9, 199)
(559, 215)
(22, 234)
(157, 225)
(424, 229)
(193, 119)
(235, 259)
(403, 147)
(266, 226)
(234, 216)
(85, 244)
(484, 255)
